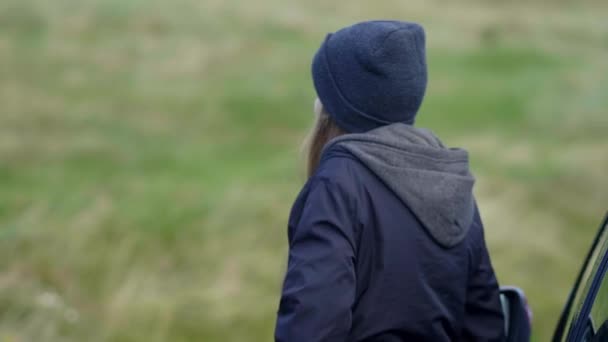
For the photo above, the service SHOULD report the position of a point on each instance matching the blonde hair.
(323, 130)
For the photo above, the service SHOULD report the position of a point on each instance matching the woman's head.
(366, 75)
(372, 74)
(323, 130)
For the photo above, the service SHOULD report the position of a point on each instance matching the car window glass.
(588, 275)
(599, 310)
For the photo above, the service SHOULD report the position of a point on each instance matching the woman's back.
(392, 278)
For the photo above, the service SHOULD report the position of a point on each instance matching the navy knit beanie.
(371, 74)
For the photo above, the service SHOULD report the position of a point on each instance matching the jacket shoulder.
(339, 168)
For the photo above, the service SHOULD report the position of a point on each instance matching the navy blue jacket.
(362, 267)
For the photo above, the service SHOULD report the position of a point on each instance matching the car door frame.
(579, 322)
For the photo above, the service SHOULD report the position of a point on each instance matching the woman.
(385, 240)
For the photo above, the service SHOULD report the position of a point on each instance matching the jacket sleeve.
(484, 319)
(319, 286)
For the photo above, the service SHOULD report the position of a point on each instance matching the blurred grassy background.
(149, 152)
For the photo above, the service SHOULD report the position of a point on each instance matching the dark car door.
(585, 316)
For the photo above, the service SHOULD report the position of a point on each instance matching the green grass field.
(149, 153)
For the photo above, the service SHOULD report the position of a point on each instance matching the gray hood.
(432, 180)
